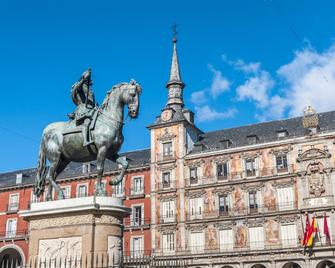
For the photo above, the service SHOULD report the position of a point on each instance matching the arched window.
(291, 265)
(10, 256)
(326, 264)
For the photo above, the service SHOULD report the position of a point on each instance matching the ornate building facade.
(239, 197)
(233, 198)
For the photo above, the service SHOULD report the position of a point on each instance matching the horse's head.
(131, 97)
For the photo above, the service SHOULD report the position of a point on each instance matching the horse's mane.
(119, 85)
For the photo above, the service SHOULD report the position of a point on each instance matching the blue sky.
(242, 61)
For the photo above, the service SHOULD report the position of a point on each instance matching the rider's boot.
(86, 136)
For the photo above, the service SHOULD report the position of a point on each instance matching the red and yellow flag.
(307, 226)
(311, 233)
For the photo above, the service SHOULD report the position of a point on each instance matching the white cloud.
(199, 97)
(207, 113)
(310, 80)
(256, 88)
(241, 65)
(219, 85)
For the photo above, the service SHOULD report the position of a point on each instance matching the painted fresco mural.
(238, 200)
(211, 238)
(269, 197)
(272, 232)
(241, 236)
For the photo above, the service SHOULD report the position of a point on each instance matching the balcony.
(166, 157)
(167, 186)
(133, 223)
(137, 192)
(168, 219)
(12, 207)
(228, 212)
(120, 193)
(14, 234)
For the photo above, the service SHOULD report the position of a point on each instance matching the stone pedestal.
(88, 229)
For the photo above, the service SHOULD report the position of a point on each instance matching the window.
(137, 246)
(256, 237)
(138, 187)
(13, 203)
(19, 177)
(166, 177)
(137, 216)
(226, 144)
(196, 208)
(252, 139)
(253, 205)
(197, 242)
(222, 171)
(119, 189)
(282, 134)
(103, 186)
(285, 198)
(11, 227)
(81, 190)
(168, 243)
(288, 235)
(193, 175)
(168, 208)
(167, 150)
(34, 198)
(226, 240)
(223, 204)
(281, 163)
(66, 191)
(86, 168)
(250, 167)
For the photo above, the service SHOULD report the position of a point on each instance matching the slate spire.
(175, 85)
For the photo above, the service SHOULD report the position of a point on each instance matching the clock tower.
(172, 136)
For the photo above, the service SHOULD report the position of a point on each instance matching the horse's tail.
(41, 169)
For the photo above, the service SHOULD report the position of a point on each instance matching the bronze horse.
(60, 149)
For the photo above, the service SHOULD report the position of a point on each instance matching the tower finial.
(175, 85)
(175, 33)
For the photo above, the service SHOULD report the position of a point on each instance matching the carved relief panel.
(66, 247)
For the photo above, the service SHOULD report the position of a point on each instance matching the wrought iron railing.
(136, 222)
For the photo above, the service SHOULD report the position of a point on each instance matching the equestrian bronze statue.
(93, 133)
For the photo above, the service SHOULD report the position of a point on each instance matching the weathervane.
(175, 33)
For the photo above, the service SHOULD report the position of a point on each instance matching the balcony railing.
(166, 157)
(168, 218)
(244, 211)
(12, 207)
(168, 185)
(137, 191)
(14, 234)
(136, 222)
(239, 175)
(260, 246)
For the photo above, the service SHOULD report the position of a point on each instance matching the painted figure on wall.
(209, 202)
(269, 197)
(272, 232)
(208, 169)
(211, 238)
(238, 200)
(241, 236)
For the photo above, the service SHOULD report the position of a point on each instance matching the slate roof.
(136, 159)
(266, 132)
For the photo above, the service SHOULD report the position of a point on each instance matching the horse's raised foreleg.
(124, 164)
(101, 157)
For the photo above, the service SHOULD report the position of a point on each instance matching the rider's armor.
(83, 96)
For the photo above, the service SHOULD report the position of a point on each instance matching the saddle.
(74, 128)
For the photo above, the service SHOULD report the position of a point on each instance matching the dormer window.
(252, 139)
(86, 168)
(226, 143)
(19, 177)
(282, 134)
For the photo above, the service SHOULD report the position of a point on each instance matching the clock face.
(166, 115)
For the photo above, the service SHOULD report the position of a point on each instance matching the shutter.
(289, 235)
(226, 240)
(256, 237)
